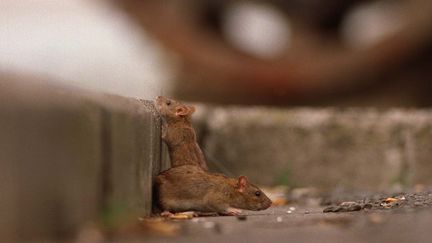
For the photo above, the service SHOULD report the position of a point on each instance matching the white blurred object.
(82, 43)
(256, 28)
(369, 23)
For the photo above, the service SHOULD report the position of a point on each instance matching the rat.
(178, 133)
(190, 188)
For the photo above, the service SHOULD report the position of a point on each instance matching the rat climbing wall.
(68, 157)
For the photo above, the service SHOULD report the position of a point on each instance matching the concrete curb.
(69, 156)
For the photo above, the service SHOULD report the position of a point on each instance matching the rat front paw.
(232, 212)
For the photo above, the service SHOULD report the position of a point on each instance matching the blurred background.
(88, 44)
(279, 52)
(295, 52)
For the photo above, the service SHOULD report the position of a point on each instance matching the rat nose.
(268, 203)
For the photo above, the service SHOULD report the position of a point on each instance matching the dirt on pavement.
(336, 217)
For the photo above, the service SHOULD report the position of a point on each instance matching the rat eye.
(168, 102)
(257, 193)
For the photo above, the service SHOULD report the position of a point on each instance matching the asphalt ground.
(401, 217)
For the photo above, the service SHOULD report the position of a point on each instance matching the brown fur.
(178, 133)
(190, 188)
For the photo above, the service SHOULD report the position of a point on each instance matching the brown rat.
(178, 133)
(189, 188)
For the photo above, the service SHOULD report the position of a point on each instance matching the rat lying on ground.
(178, 133)
(190, 188)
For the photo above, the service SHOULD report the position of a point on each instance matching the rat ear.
(191, 109)
(182, 111)
(243, 183)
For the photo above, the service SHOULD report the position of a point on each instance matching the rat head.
(173, 110)
(249, 197)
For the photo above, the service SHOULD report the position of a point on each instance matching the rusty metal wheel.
(213, 70)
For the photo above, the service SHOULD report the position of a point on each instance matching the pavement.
(402, 222)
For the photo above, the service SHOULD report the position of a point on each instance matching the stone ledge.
(326, 148)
